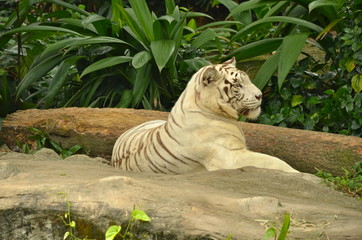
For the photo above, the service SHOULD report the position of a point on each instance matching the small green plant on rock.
(272, 233)
(43, 140)
(116, 230)
(111, 233)
(67, 220)
(350, 182)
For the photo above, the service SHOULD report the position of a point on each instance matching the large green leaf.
(273, 19)
(203, 38)
(38, 71)
(112, 232)
(162, 50)
(143, 78)
(56, 47)
(277, 8)
(78, 25)
(257, 48)
(267, 70)
(218, 23)
(100, 23)
(144, 17)
(116, 14)
(141, 59)
(290, 50)
(126, 99)
(90, 93)
(18, 17)
(284, 230)
(140, 215)
(59, 79)
(229, 4)
(322, 3)
(133, 27)
(105, 63)
(161, 27)
(242, 17)
(170, 6)
(331, 12)
(73, 42)
(69, 6)
(248, 5)
(269, 234)
(81, 92)
(39, 28)
(196, 14)
(356, 83)
(197, 63)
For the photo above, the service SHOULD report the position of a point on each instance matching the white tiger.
(202, 131)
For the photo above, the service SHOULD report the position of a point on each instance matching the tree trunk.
(96, 130)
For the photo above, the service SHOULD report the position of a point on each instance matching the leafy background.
(141, 54)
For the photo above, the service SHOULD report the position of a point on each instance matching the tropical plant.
(42, 140)
(313, 99)
(323, 96)
(130, 58)
(116, 230)
(348, 48)
(272, 233)
(350, 182)
(112, 232)
(17, 53)
(281, 28)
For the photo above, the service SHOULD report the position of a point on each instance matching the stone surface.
(97, 130)
(205, 205)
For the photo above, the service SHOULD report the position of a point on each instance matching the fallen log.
(96, 130)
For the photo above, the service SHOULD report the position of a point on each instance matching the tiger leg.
(247, 158)
(262, 160)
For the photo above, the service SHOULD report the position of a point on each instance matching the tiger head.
(225, 90)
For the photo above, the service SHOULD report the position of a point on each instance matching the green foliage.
(272, 233)
(127, 56)
(115, 230)
(71, 224)
(350, 182)
(313, 101)
(7, 97)
(111, 233)
(42, 140)
(348, 50)
(230, 237)
(17, 53)
(130, 58)
(322, 96)
(281, 27)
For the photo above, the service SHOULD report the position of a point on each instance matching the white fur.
(202, 126)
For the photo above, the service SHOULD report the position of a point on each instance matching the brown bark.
(96, 130)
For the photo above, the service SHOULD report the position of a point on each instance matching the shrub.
(130, 59)
(313, 101)
(323, 96)
(350, 182)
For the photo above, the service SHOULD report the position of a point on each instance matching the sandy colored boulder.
(207, 205)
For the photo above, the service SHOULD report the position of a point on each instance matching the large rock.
(205, 205)
(97, 130)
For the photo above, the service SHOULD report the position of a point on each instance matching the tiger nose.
(259, 97)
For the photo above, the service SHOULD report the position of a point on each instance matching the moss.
(345, 157)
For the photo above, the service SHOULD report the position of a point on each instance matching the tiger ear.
(210, 75)
(231, 62)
